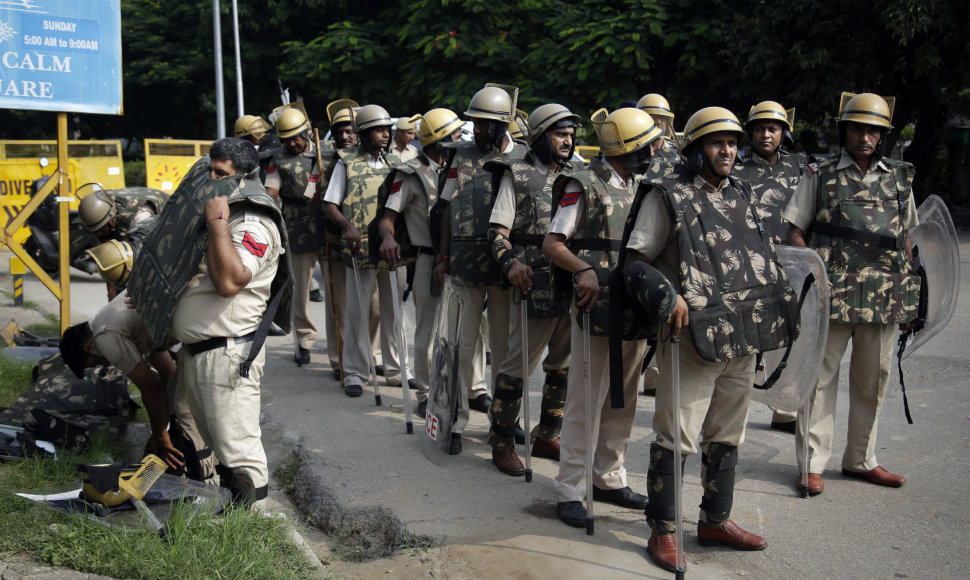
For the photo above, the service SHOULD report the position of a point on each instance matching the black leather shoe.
(353, 390)
(379, 369)
(302, 357)
(454, 448)
(421, 409)
(623, 497)
(316, 296)
(519, 434)
(572, 513)
(482, 403)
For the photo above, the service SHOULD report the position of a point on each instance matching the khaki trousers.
(714, 399)
(304, 331)
(338, 270)
(356, 324)
(226, 406)
(425, 306)
(178, 401)
(869, 367)
(611, 427)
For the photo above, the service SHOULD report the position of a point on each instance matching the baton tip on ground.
(377, 400)
(589, 526)
(805, 492)
(528, 475)
(410, 428)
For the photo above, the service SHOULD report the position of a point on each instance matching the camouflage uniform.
(664, 161)
(470, 191)
(353, 186)
(773, 185)
(293, 175)
(857, 223)
(134, 205)
(524, 206)
(413, 194)
(709, 243)
(591, 208)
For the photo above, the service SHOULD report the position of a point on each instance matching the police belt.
(526, 239)
(197, 348)
(886, 242)
(426, 250)
(595, 244)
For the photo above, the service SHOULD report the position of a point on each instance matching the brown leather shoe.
(543, 448)
(815, 484)
(507, 461)
(878, 476)
(729, 534)
(663, 552)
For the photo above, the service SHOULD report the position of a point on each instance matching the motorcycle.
(43, 244)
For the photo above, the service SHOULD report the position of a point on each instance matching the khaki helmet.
(370, 116)
(291, 122)
(96, 210)
(494, 102)
(519, 126)
(624, 130)
(868, 109)
(656, 105)
(242, 125)
(772, 111)
(436, 125)
(339, 111)
(114, 259)
(545, 116)
(710, 120)
(405, 124)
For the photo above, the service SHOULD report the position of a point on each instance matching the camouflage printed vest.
(301, 223)
(533, 212)
(773, 186)
(471, 253)
(606, 212)
(739, 298)
(664, 161)
(360, 203)
(130, 201)
(172, 251)
(420, 168)
(858, 232)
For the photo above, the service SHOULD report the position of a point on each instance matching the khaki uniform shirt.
(406, 154)
(201, 313)
(568, 220)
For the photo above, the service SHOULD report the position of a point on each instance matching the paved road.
(363, 477)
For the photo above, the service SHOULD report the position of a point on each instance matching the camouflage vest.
(739, 299)
(664, 161)
(301, 223)
(773, 186)
(606, 212)
(533, 212)
(858, 232)
(360, 204)
(130, 201)
(420, 168)
(471, 253)
(172, 251)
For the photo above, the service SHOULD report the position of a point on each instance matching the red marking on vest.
(255, 248)
(314, 178)
(271, 169)
(396, 187)
(568, 198)
(453, 173)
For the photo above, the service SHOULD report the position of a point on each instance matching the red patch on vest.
(453, 173)
(271, 169)
(255, 248)
(396, 187)
(569, 198)
(314, 178)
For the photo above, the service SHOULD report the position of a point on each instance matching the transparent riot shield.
(800, 373)
(444, 387)
(936, 247)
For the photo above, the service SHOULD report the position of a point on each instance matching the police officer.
(591, 207)
(401, 146)
(110, 214)
(469, 189)
(260, 133)
(351, 203)
(857, 207)
(215, 281)
(288, 178)
(732, 312)
(413, 194)
(773, 173)
(665, 154)
(520, 219)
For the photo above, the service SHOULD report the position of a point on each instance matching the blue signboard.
(61, 55)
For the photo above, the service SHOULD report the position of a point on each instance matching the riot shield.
(798, 377)
(936, 247)
(444, 388)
